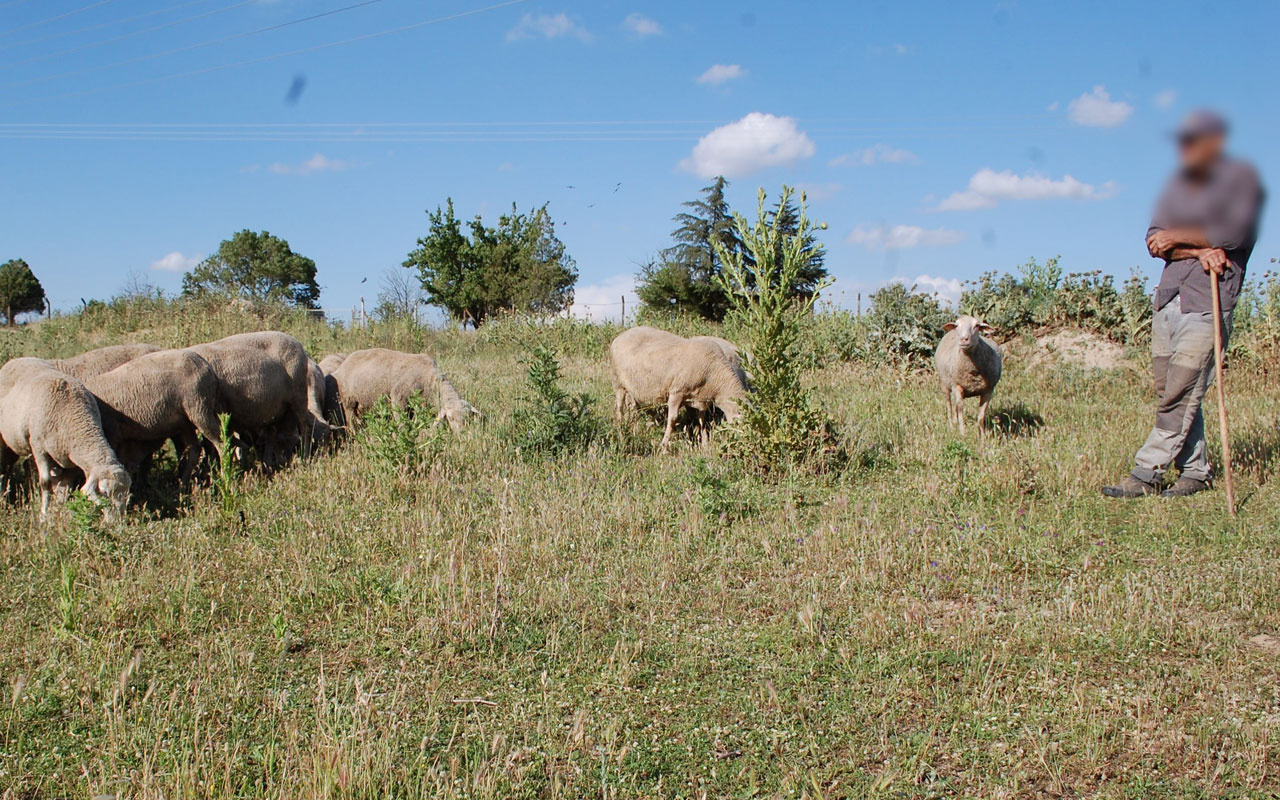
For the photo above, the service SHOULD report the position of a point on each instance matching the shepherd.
(1204, 229)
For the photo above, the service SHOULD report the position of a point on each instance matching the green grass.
(943, 619)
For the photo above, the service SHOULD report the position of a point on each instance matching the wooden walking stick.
(1222, 395)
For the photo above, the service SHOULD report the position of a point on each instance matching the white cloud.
(641, 26)
(1096, 109)
(317, 163)
(603, 301)
(175, 262)
(752, 143)
(717, 74)
(902, 237)
(948, 290)
(875, 154)
(1165, 98)
(548, 26)
(988, 187)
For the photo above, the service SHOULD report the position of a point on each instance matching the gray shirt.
(1225, 206)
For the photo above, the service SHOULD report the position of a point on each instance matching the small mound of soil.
(1081, 349)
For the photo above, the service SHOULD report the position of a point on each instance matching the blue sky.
(937, 140)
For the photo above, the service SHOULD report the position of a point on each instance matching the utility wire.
(109, 24)
(188, 48)
(130, 35)
(274, 56)
(61, 16)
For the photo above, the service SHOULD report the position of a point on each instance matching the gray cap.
(1202, 122)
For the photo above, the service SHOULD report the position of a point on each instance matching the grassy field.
(940, 620)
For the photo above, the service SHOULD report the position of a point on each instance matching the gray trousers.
(1183, 361)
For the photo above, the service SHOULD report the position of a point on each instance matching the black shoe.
(1130, 486)
(1185, 487)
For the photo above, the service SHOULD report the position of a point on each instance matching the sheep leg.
(674, 401)
(704, 425)
(957, 401)
(45, 479)
(951, 411)
(983, 401)
(619, 401)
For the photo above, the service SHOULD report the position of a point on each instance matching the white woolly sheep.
(104, 359)
(52, 417)
(172, 394)
(366, 376)
(968, 365)
(266, 380)
(651, 367)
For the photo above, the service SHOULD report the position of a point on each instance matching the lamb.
(265, 378)
(366, 376)
(104, 359)
(171, 394)
(968, 365)
(53, 418)
(651, 366)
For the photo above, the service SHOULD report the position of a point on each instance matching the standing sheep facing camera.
(651, 366)
(366, 376)
(52, 418)
(968, 365)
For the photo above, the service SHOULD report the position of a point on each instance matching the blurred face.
(1199, 152)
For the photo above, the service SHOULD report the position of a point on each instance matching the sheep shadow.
(1015, 421)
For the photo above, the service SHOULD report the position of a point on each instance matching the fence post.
(859, 304)
(624, 311)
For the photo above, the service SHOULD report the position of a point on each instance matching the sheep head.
(968, 330)
(457, 415)
(111, 484)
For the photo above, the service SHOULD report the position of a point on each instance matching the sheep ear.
(950, 326)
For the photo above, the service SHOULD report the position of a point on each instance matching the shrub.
(781, 426)
(405, 441)
(1013, 304)
(903, 327)
(551, 421)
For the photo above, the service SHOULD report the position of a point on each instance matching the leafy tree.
(518, 265)
(256, 266)
(20, 290)
(686, 276)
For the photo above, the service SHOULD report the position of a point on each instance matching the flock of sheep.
(95, 420)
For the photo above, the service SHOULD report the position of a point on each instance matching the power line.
(131, 34)
(109, 24)
(61, 16)
(188, 48)
(286, 54)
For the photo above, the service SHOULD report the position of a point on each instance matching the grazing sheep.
(366, 376)
(53, 418)
(727, 348)
(651, 366)
(266, 381)
(104, 359)
(331, 362)
(172, 394)
(968, 365)
(332, 398)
